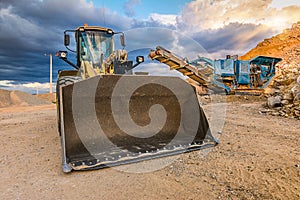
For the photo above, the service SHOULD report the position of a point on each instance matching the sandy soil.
(47, 97)
(258, 158)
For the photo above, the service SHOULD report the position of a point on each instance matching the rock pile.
(285, 101)
(284, 92)
(18, 98)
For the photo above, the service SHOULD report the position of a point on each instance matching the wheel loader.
(108, 116)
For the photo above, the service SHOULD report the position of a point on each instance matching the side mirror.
(67, 40)
(122, 38)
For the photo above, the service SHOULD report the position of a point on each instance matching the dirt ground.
(258, 158)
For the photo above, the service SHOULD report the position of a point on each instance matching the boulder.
(274, 102)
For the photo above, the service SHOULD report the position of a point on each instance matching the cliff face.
(285, 45)
(285, 89)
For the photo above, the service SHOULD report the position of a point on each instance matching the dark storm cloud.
(234, 37)
(31, 28)
(67, 13)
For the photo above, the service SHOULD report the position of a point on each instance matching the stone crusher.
(228, 75)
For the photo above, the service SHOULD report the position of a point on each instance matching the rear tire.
(61, 82)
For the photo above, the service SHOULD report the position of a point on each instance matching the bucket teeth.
(125, 158)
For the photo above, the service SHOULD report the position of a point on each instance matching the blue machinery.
(230, 75)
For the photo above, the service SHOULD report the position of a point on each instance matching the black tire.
(67, 80)
(63, 81)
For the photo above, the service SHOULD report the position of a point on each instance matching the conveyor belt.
(174, 62)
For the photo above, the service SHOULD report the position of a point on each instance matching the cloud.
(22, 35)
(233, 38)
(221, 26)
(156, 20)
(163, 19)
(67, 13)
(233, 25)
(150, 37)
(129, 7)
(30, 87)
(207, 14)
(34, 27)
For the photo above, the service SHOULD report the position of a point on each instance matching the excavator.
(109, 116)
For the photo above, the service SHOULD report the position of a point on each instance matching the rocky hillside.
(285, 89)
(281, 45)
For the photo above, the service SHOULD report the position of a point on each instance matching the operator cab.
(95, 52)
(94, 46)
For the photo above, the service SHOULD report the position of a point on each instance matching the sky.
(213, 28)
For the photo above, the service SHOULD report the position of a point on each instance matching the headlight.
(61, 54)
(140, 59)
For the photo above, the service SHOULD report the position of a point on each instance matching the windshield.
(94, 46)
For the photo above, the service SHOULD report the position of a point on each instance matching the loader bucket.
(110, 120)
